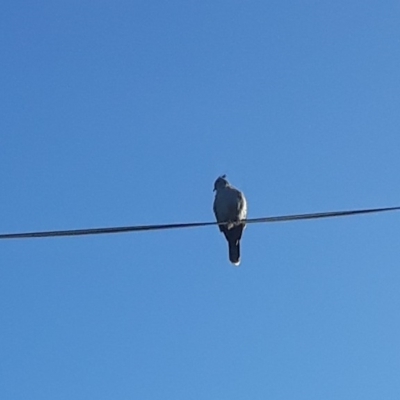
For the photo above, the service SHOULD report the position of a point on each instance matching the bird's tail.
(234, 252)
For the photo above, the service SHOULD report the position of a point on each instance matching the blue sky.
(124, 113)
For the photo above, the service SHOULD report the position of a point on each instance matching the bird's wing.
(242, 206)
(229, 205)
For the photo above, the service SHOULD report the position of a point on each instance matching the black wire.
(122, 229)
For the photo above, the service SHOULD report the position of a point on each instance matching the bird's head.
(220, 183)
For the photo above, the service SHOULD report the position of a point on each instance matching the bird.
(230, 206)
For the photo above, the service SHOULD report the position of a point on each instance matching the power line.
(123, 229)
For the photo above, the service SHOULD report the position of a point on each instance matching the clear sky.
(125, 112)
